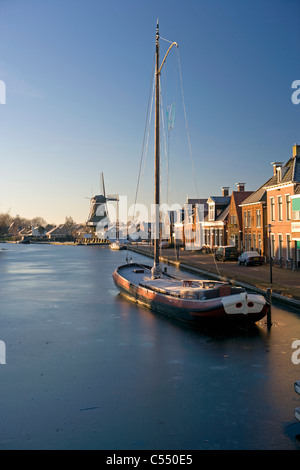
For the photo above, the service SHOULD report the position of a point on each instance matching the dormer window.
(211, 212)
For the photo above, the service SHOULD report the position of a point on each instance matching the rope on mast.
(187, 129)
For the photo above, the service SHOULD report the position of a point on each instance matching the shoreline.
(202, 267)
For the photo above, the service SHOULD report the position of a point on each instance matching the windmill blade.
(102, 184)
(103, 191)
(112, 197)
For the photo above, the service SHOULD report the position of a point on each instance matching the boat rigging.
(195, 300)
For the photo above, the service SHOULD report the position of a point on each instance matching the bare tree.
(5, 221)
(20, 222)
(38, 221)
(70, 224)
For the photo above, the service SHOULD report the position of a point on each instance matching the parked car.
(250, 257)
(227, 253)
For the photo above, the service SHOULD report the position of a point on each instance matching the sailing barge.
(192, 301)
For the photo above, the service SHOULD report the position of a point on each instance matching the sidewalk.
(285, 285)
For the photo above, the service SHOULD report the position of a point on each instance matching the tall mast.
(156, 269)
(157, 157)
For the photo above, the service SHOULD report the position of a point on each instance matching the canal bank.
(285, 282)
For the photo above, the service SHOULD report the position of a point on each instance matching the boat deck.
(183, 288)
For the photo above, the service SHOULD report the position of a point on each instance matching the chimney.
(275, 166)
(296, 150)
(225, 191)
(241, 186)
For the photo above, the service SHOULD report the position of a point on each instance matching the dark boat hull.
(195, 312)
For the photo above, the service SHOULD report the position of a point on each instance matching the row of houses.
(57, 233)
(266, 220)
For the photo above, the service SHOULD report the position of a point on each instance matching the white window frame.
(288, 205)
(272, 209)
(259, 243)
(211, 212)
(280, 245)
(258, 217)
(288, 246)
(279, 205)
(272, 235)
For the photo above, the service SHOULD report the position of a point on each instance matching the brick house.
(187, 224)
(280, 190)
(195, 211)
(235, 223)
(215, 222)
(254, 221)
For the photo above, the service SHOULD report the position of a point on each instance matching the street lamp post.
(269, 291)
(270, 254)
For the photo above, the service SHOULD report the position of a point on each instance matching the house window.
(259, 242)
(221, 237)
(258, 218)
(288, 247)
(280, 246)
(288, 206)
(213, 237)
(279, 207)
(272, 245)
(272, 209)
(245, 219)
(233, 219)
(254, 241)
(246, 243)
(249, 219)
(211, 212)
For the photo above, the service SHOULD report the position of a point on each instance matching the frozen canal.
(86, 369)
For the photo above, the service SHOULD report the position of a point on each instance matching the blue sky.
(78, 74)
